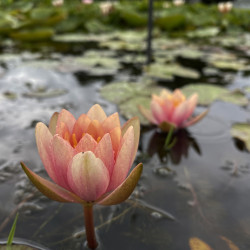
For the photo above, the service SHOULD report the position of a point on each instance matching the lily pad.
(18, 247)
(33, 35)
(123, 45)
(129, 109)
(208, 93)
(168, 71)
(129, 95)
(241, 131)
(204, 32)
(231, 65)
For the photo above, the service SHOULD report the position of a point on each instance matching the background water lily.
(172, 110)
(88, 159)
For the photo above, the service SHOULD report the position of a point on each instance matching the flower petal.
(63, 154)
(95, 129)
(67, 118)
(104, 151)
(191, 104)
(135, 122)
(96, 113)
(81, 126)
(49, 189)
(196, 119)
(116, 136)
(157, 111)
(123, 160)
(44, 146)
(53, 122)
(111, 122)
(122, 192)
(147, 114)
(87, 143)
(178, 116)
(87, 176)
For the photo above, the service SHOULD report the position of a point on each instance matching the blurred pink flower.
(87, 1)
(172, 109)
(88, 159)
(225, 7)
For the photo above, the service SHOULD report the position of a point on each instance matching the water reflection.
(180, 148)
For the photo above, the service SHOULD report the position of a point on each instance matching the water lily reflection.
(181, 147)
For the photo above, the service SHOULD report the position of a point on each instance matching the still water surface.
(199, 188)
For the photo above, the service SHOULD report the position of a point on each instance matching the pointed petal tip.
(50, 189)
(122, 192)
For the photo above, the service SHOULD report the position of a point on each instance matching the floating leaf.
(197, 244)
(208, 93)
(241, 131)
(168, 71)
(45, 94)
(129, 95)
(33, 35)
(204, 32)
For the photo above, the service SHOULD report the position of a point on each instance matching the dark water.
(199, 188)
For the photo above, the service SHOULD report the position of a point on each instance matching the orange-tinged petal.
(135, 122)
(196, 119)
(147, 114)
(63, 154)
(157, 111)
(165, 94)
(123, 160)
(88, 177)
(111, 122)
(158, 99)
(87, 143)
(81, 126)
(116, 136)
(124, 190)
(96, 113)
(95, 129)
(53, 122)
(67, 118)
(191, 104)
(49, 189)
(104, 151)
(178, 116)
(44, 146)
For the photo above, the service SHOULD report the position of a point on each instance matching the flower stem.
(89, 226)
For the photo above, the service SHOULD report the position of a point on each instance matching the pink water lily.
(172, 110)
(88, 160)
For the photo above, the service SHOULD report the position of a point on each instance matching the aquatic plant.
(172, 110)
(88, 159)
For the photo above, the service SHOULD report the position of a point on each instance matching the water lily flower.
(106, 7)
(88, 160)
(172, 110)
(178, 2)
(57, 2)
(225, 7)
(87, 1)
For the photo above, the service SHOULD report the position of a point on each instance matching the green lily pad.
(129, 109)
(129, 95)
(168, 71)
(204, 32)
(79, 37)
(123, 45)
(231, 65)
(33, 35)
(208, 93)
(241, 131)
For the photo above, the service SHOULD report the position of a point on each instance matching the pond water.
(198, 189)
